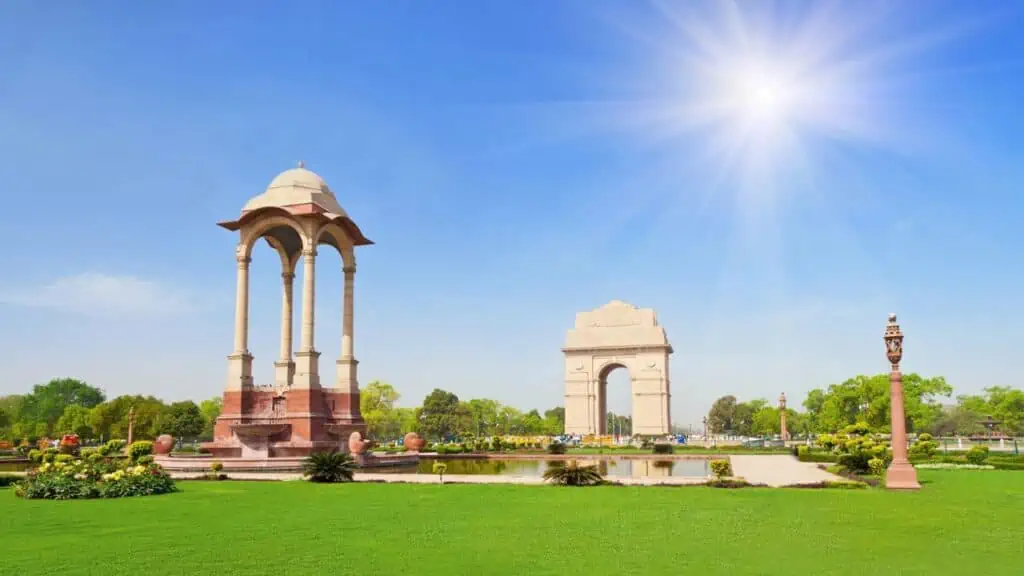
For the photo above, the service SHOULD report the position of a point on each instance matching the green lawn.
(961, 523)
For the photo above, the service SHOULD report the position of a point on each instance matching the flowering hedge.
(95, 478)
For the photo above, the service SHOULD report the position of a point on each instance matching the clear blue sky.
(772, 179)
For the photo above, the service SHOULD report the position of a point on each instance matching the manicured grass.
(961, 523)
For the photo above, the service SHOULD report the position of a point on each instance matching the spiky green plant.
(572, 474)
(329, 467)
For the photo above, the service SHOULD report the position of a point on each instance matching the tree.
(743, 417)
(721, 415)
(110, 419)
(958, 421)
(210, 410)
(46, 403)
(439, 416)
(485, 414)
(183, 420)
(766, 422)
(377, 405)
(533, 423)
(74, 420)
(408, 420)
(814, 403)
(866, 399)
(554, 421)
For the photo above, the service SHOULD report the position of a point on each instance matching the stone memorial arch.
(299, 413)
(613, 336)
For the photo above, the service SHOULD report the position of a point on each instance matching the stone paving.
(777, 471)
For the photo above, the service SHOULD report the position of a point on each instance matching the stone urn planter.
(413, 442)
(163, 444)
(356, 444)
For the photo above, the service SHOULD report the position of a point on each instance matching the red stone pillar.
(901, 474)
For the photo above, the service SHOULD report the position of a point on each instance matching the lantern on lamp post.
(901, 474)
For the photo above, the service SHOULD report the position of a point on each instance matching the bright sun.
(759, 97)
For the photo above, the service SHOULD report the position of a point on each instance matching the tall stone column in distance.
(901, 474)
(307, 374)
(783, 431)
(284, 368)
(240, 361)
(348, 382)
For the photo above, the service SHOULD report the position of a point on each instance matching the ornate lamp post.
(901, 474)
(705, 421)
(782, 417)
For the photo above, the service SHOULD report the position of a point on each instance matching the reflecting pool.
(610, 467)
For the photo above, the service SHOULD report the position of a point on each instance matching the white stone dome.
(300, 178)
(296, 187)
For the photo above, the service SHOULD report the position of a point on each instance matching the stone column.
(348, 382)
(347, 319)
(240, 361)
(307, 373)
(284, 368)
(901, 474)
(242, 306)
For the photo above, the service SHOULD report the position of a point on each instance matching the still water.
(13, 466)
(613, 468)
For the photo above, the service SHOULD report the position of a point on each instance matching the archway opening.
(269, 259)
(615, 401)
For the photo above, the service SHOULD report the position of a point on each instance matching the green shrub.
(113, 447)
(216, 466)
(145, 460)
(556, 448)
(48, 457)
(496, 444)
(858, 429)
(827, 441)
(1005, 463)
(35, 456)
(94, 458)
(63, 458)
(837, 469)
(84, 453)
(877, 466)
(663, 449)
(572, 474)
(802, 452)
(329, 467)
(721, 468)
(140, 449)
(844, 484)
(977, 454)
(924, 448)
(440, 468)
(79, 479)
(728, 483)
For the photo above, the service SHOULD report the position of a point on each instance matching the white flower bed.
(951, 466)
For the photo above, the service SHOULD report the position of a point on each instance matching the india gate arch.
(617, 335)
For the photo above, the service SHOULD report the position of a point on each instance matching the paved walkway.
(776, 471)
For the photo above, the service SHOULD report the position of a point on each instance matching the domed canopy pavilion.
(296, 214)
